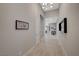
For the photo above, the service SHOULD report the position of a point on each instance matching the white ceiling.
(49, 6)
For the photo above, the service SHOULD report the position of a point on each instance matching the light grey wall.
(18, 42)
(38, 12)
(70, 41)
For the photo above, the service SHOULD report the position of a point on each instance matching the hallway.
(47, 47)
(39, 29)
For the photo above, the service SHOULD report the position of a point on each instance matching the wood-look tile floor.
(47, 47)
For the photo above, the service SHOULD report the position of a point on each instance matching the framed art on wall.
(63, 25)
(21, 25)
(53, 28)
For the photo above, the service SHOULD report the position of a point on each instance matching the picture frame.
(63, 25)
(21, 25)
(53, 27)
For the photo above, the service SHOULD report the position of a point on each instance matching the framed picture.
(63, 25)
(53, 28)
(21, 25)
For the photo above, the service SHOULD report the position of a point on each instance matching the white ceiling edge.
(55, 6)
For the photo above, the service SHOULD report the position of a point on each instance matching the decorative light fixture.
(49, 6)
(46, 6)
